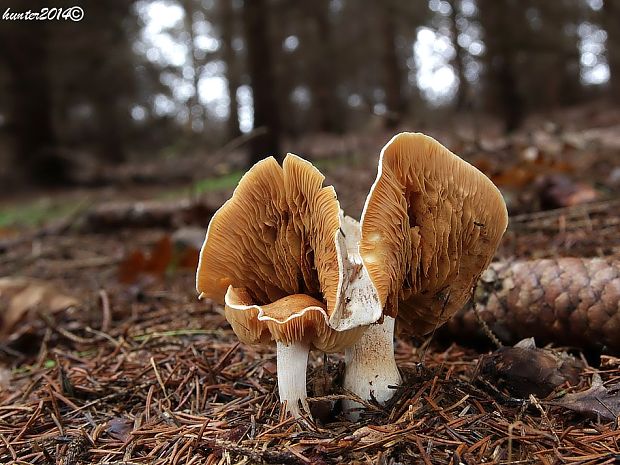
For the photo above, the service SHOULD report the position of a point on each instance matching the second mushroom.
(430, 226)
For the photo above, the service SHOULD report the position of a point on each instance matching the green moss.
(224, 182)
(227, 181)
(325, 164)
(35, 213)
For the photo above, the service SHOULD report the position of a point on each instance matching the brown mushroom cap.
(279, 235)
(430, 226)
(291, 319)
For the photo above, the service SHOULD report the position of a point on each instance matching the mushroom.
(276, 256)
(430, 226)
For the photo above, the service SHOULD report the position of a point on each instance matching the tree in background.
(104, 86)
(260, 70)
(551, 48)
(325, 70)
(500, 22)
(532, 57)
(288, 48)
(196, 117)
(611, 22)
(228, 22)
(26, 56)
(459, 61)
(392, 69)
(111, 62)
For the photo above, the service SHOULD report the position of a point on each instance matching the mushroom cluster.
(290, 268)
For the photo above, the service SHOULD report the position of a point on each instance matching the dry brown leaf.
(155, 264)
(120, 428)
(21, 298)
(516, 176)
(131, 267)
(558, 191)
(188, 259)
(8, 233)
(160, 257)
(525, 369)
(598, 401)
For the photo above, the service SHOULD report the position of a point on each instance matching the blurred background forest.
(146, 80)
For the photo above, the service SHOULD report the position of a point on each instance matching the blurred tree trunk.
(392, 70)
(25, 51)
(555, 44)
(324, 80)
(571, 90)
(611, 21)
(111, 144)
(458, 62)
(260, 68)
(499, 20)
(196, 114)
(232, 70)
(111, 62)
(287, 65)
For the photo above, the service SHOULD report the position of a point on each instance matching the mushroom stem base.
(292, 364)
(371, 368)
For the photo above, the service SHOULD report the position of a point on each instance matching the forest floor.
(107, 356)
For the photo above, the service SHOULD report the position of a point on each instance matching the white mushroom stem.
(370, 366)
(292, 364)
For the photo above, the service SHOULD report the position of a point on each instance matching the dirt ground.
(137, 371)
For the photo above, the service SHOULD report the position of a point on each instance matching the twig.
(8, 447)
(485, 327)
(105, 308)
(63, 332)
(159, 379)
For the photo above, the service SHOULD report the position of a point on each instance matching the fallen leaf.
(160, 257)
(188, 260)
(154, 264)
(131, 267)
(598, 401)
(8, 233)
(525, 369)
(21, 298)
(120, 428)
(516, 176)
(557, 191)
